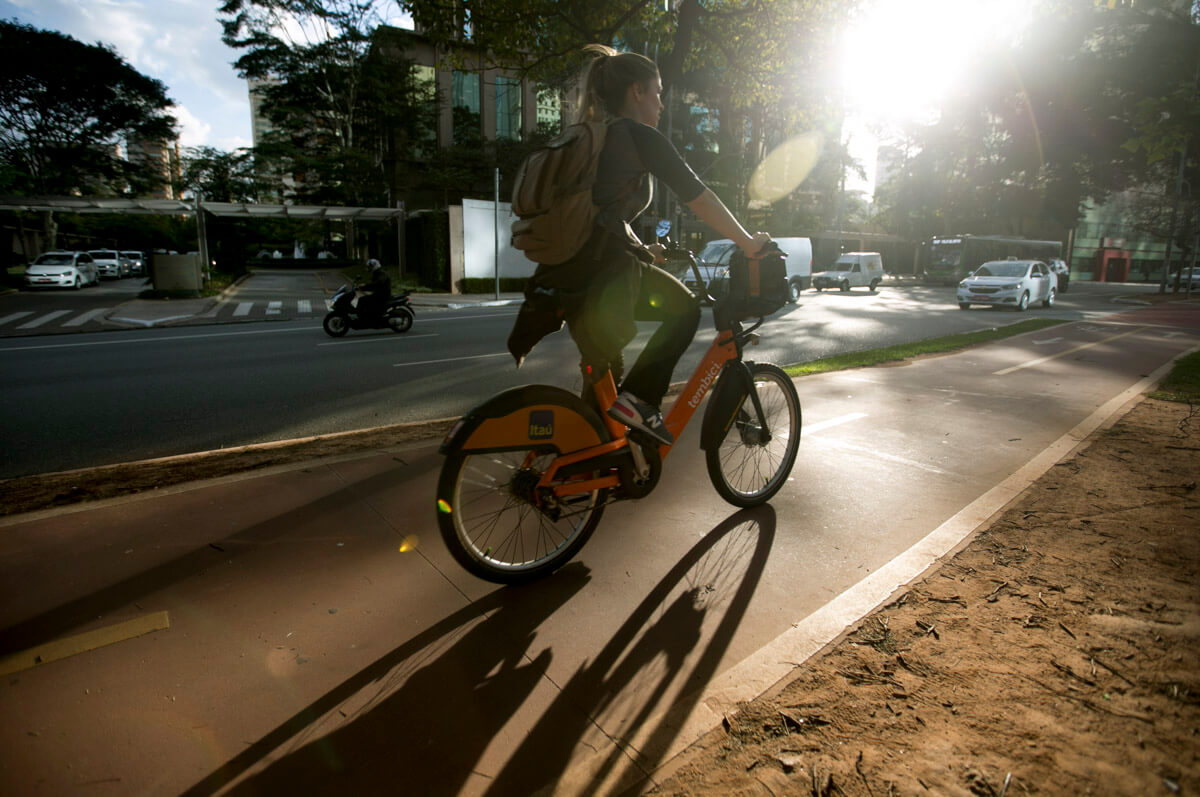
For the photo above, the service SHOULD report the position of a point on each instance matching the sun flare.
(904, 56)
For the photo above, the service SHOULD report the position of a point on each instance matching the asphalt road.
(71, 401)
(305, 631)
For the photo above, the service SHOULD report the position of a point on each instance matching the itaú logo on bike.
(705, 383)
(541, 424)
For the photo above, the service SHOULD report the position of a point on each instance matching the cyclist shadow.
(418, 719)
(704, 596)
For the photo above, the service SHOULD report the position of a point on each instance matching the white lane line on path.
(243, 308)
(303, 305)
(816, 427)
(871, 452)
(1080, 347)
(376, 339)
(15, 316)
(83, 318)
(274, 308)
(452, 359)
(779, 658)
(37, 322)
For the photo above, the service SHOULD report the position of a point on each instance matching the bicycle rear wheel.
(750, 465)
(500, 527)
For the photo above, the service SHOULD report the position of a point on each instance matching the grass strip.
(1183, 383)
(904, 351)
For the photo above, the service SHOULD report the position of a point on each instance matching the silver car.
(1009, 283)
(137, 261)
(61, 270)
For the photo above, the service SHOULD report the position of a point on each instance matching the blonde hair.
(608, 78)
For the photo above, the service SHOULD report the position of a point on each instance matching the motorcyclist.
(375, 292)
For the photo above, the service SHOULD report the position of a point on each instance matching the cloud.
(193, 132)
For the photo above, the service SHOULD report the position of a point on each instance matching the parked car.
(852, 270)
(137, 261)
(109, 263)
(1062, 271)
(1013, 283)
(62, 270)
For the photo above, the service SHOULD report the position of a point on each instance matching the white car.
(852, 270)
(1009, 283)
(109, 262)
(137, 261)
(61, 270)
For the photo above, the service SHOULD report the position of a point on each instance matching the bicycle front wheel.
(500, 526)
(752, 463)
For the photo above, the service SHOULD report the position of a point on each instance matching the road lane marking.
(303, 305)
(451, 359)
(375, 339)
(1046, 342)
(912, 463)
(1081, 347)
(274, 308)
(40, 320)
(83, 318)
(164, 339)
(82, 643)
(816, 427)
(15, 316)
(243, 308)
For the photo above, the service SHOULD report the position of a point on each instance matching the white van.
(714, 263)
(852, 270)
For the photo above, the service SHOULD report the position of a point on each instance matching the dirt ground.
(1058, 653)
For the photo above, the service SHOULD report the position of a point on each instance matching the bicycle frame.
(722, 350)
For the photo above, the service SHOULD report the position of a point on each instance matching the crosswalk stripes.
(44, 319)
(65, 318)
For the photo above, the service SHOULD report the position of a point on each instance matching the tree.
(65, 107)
(218, 175)
(1090, 102)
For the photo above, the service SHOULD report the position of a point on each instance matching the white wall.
(479, 242)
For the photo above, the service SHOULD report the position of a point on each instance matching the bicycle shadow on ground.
(661, 648)
(419, 719)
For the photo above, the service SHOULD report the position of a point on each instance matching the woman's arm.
(712, 211)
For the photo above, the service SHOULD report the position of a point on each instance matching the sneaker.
(637, 414)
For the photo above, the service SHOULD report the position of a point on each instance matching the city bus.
(950, 258)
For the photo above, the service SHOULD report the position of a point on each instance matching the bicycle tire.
(747, 471)
(492, 527)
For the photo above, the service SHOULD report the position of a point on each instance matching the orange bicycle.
(528, 473)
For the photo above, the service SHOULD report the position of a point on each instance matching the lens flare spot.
(444, 507)
(409, 543)
(655, 300)
(786, 167)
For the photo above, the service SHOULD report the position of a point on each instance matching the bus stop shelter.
(199, 207)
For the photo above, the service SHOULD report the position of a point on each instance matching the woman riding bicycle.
(614, 276)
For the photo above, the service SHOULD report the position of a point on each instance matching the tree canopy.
(65, 108)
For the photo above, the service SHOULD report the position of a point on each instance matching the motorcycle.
(343, 314)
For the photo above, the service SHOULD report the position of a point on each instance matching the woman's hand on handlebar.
(658, 251)
(754, 244)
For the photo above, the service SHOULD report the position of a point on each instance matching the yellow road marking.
(82, 643)
(1041, 360)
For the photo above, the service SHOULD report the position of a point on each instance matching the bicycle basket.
(757, 287)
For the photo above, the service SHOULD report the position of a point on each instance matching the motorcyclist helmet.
(373, 264)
